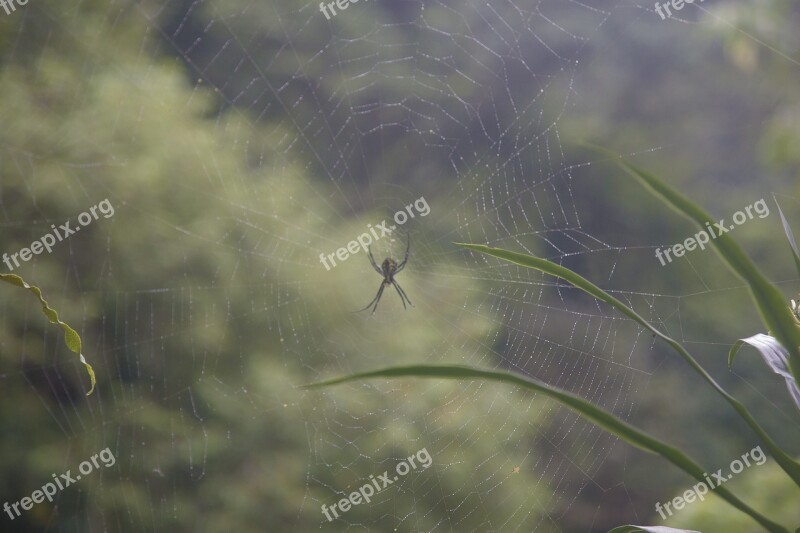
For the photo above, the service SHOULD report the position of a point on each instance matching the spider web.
(337, 125)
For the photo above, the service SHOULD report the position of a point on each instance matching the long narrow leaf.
(774, 355)
(598, 416)
(786, 462)
(71, 337)
(787, 229)
(769, 301)
(650, 529)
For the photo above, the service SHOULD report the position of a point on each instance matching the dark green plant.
(777, 316)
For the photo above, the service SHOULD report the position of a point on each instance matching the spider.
(388, 269)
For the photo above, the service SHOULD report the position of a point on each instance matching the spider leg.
(405, 259)
(374, 300)
(402, 299)
(378, 298)
(372, 260)
(402, 294)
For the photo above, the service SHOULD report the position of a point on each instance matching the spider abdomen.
(389, 266)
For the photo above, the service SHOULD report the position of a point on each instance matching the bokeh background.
(238, 140)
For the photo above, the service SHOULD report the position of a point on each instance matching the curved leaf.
(71, 337)
(789, 465)
(650, 529)
(774, 355)
(598, 416)
(770, 302)
(790, 237)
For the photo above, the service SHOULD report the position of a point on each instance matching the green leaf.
(774, 355)
(598, 416)
(770, 302)
(650, 529)
(71, 337)
(790, 236)
(789, 465)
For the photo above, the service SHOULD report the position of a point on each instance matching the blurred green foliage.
(219, 134)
